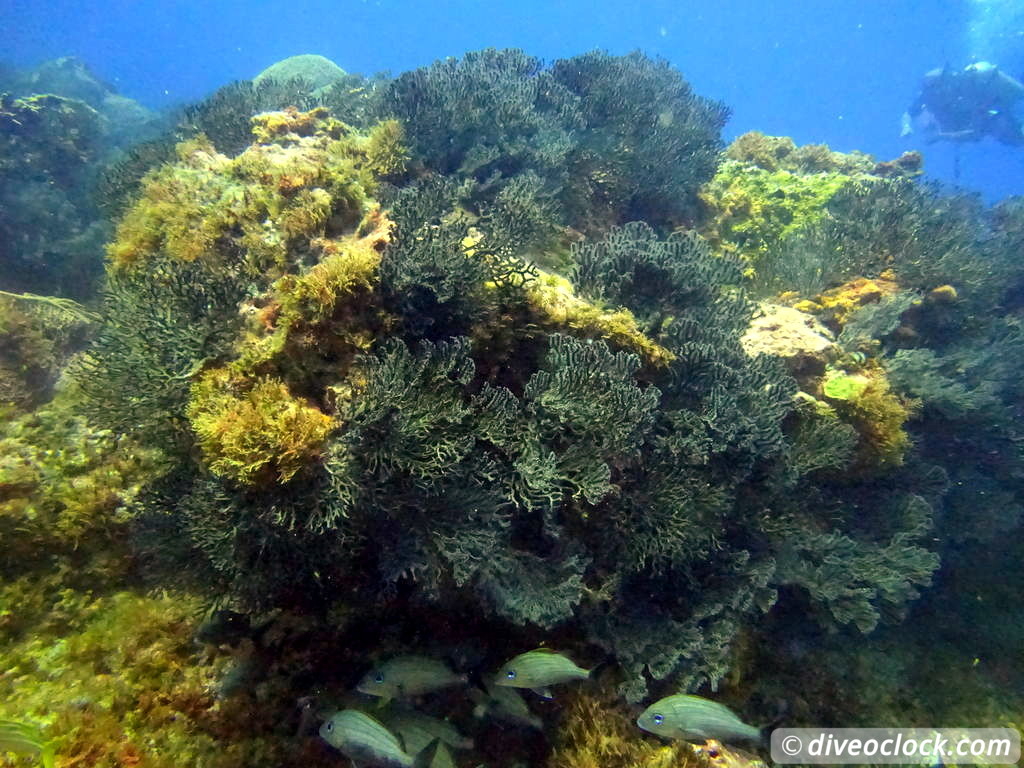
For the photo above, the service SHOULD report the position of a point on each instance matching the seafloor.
(487, 357)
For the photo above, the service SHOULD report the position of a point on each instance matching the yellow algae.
(598, 731)
(254, 432)
(866, 401)
(338, 288)
(554, 300)
(307, 175)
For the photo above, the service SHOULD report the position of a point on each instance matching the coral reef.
(446, 371)
(618, 439)
(58, 125)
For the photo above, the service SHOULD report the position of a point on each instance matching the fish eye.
(379, 677)
(330, 726)
(658, 719)
(511, 674)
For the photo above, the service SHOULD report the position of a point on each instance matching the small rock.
(803, 343)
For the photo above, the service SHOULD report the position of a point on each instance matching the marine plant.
(780, 153)
(867, 401)
(632, 162)
(254, 432)
(24, 739)
(597, 733)
(37, 336)
(584, 127)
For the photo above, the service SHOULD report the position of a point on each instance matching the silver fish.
(24, 739)
(406, 676)
(504, 703)
(363, 738)
(539, 669)
(695, 718)
(418, 731)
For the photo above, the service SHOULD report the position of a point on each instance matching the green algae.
(840, 385)
(753, 209)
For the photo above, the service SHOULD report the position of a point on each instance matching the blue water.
(834, 71)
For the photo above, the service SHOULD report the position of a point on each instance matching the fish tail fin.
(599, 668)
(781, 713)
(425, 757)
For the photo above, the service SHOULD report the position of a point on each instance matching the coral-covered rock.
(750, 210)
(835, 306)
(769, 189)
(37, 336)
(780, 153)
(318, 71)
(798, 338)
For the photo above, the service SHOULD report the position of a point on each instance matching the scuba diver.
(967, 105)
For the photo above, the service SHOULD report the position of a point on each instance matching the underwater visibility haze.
(457, 384)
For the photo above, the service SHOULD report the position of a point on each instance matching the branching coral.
(585, 127)
(159, 328)
(926, 238)
(633, 160)
(661, 281)
(493, 113)
(585, 397)
(856, 579)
